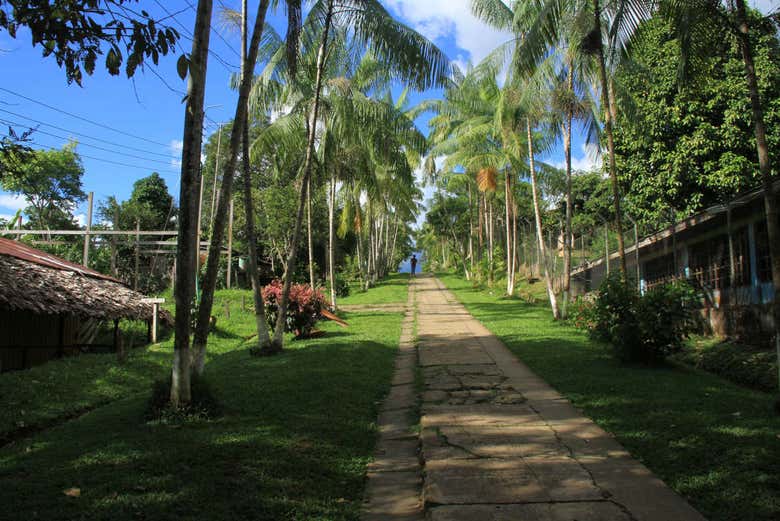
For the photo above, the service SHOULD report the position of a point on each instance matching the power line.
(82, 134)
(219, 35)
(146, 169)
(7, 122)
(83, 118)
(187, 35)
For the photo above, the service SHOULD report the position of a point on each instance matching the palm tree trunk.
(281, 318)
(471, 231)
(395, 237)
(514, 242)
(331, 240)
(480, 198)
(538, 218)
(215, 247)
(188, 205)
(308, 229)
(605, 98)
(489, 217)
(510, 284)
(263, 337)
(764, 165)
(567, 228)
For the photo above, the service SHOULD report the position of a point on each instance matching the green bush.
(642, 329)
(745, 365)
(342, 286)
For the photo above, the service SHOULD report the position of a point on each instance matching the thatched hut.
(50, 307)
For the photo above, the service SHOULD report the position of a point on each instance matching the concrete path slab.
(495, 442)
(499, 444)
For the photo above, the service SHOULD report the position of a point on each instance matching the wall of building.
(34, 339)
(741, 309)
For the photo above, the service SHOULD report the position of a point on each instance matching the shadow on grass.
(297, 433)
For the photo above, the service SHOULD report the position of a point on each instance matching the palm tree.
(263, 337)
(570, 100)
(188, 198)
(403, 51)
(542, 24)
(215, 247)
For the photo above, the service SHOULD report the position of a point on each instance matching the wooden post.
(113, 243)
(119, 346)
(230, 246)
(155, 307)
(155, 302)
(137, 252)
(732, 260)
(89, 226)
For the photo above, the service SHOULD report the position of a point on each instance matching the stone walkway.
(496, 442)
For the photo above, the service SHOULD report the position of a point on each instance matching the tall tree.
(403, 51)
(187, 249)
(607, 27)
(206, 303)
(263, 337)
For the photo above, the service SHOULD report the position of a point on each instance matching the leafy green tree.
(77, 32)
(50, 182)
(691, 145)
(150, 204)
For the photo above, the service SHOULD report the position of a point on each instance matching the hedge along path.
(498, 443)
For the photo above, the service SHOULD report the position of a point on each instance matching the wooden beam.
(87, 229)
(166, 233)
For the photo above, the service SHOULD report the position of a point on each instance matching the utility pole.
(89, 226)
(137, 252)
(200, 220)
(216, 172)
(113, 243)
(230, 245)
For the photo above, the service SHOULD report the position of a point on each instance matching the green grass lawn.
(390, 290)
(715, 443)
(296, 434)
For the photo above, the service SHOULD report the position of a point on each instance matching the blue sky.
(147, 110)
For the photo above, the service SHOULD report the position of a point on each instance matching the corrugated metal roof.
(21, 251)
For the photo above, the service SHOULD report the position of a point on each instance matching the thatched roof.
(35, 281)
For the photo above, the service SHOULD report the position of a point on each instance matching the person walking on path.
(413, 262)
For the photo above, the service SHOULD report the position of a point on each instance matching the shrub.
(342, 286)
(641, 329)
(582, 313)
(303, 309)
(665, 317)
(742, 364)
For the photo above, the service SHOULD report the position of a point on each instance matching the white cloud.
(81, 219)
(441, 19)
(12, 202)
(176, 146)
(589, 161)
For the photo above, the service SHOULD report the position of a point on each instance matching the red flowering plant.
(303, 309)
